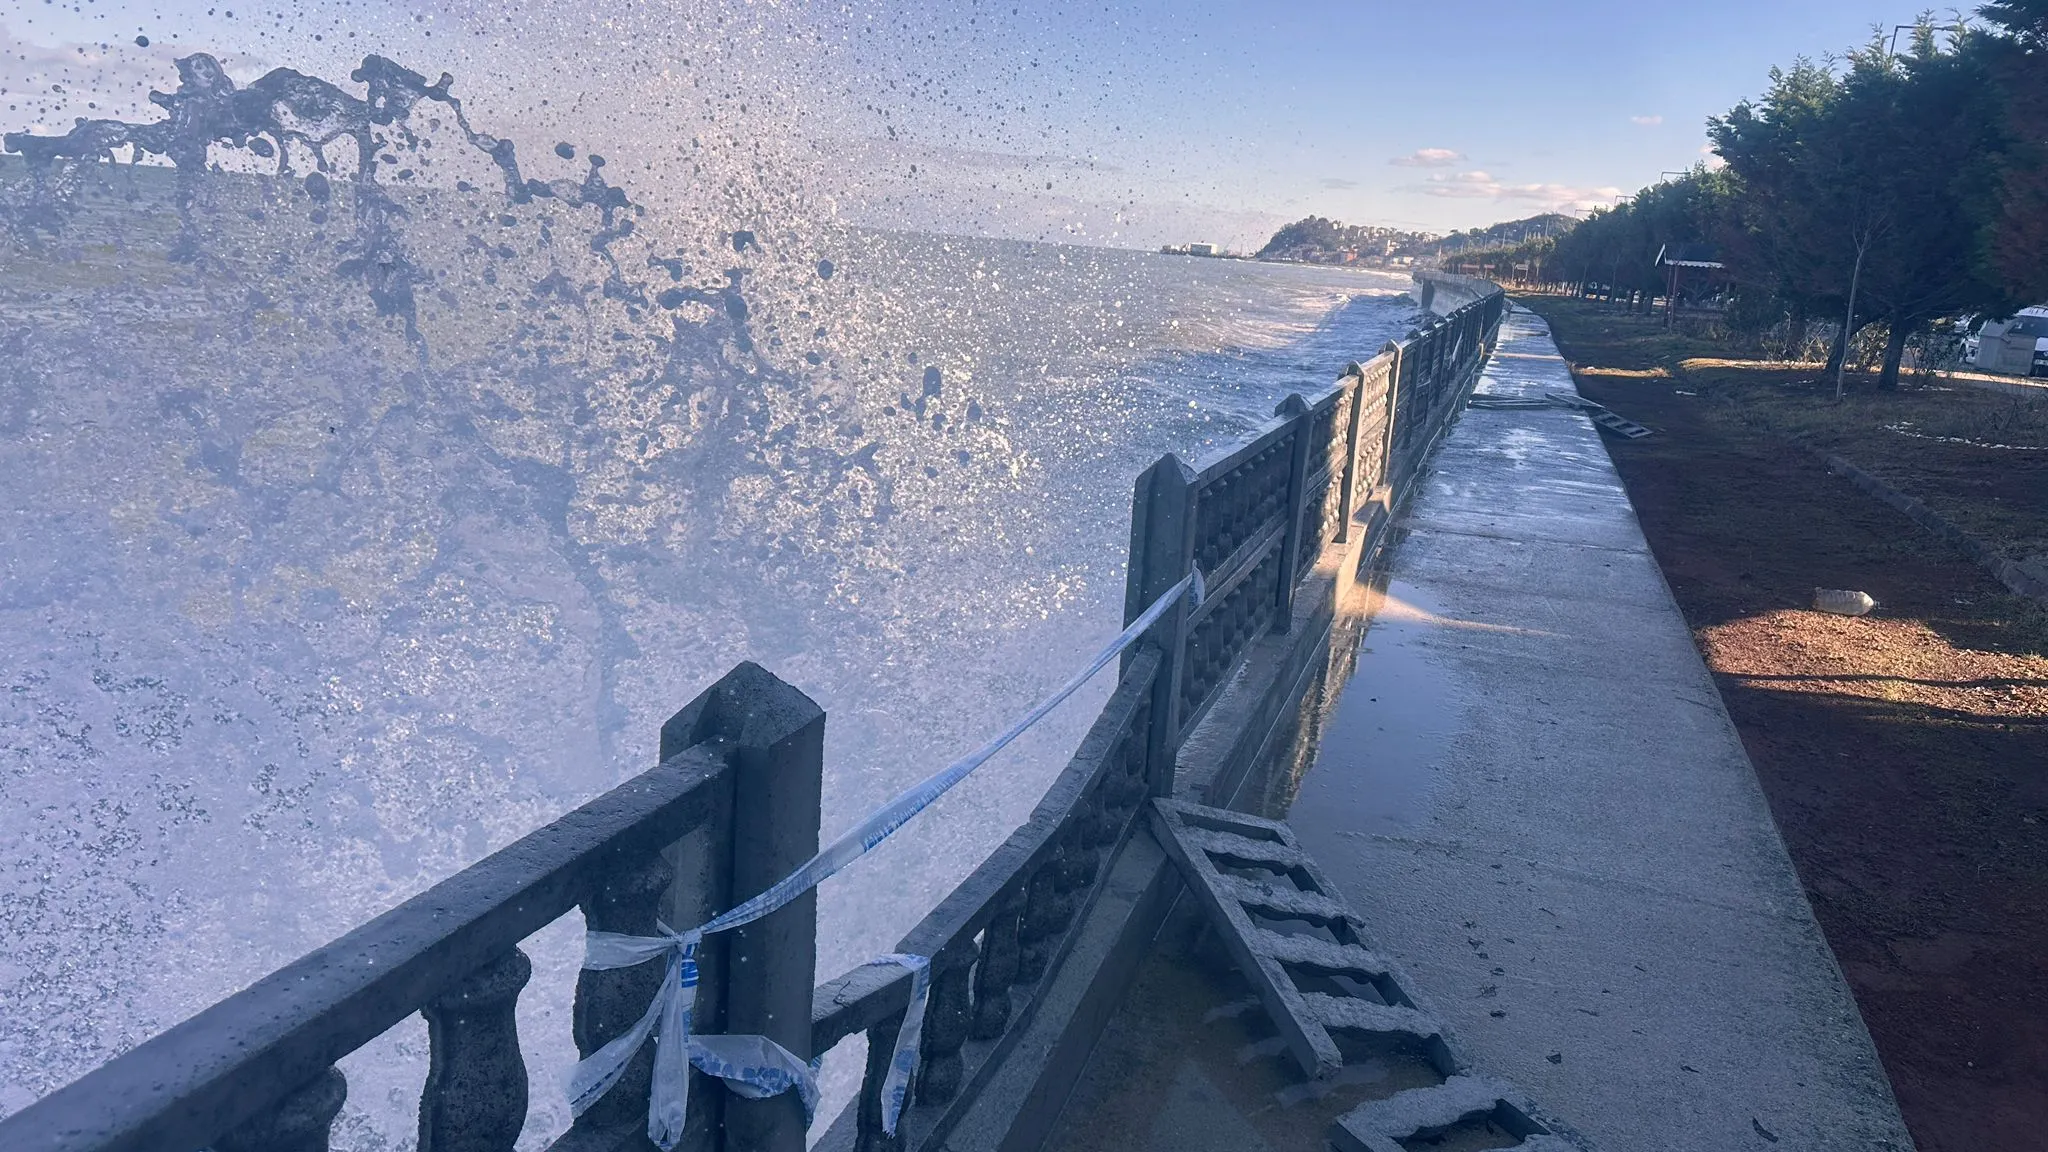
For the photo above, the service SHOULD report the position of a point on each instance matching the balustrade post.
(1297, 412)
(1440, 362)
(1347, 497)
(1439, 357)
(475, 1098)
(777, 736)
(1411, 364)
(1162, 554)
(1386, 476)
(300, 1122)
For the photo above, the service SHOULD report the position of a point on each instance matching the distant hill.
(1318, 240)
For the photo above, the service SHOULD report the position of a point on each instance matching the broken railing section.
(736, 790)
(1257, 887)
(1425, 1116)
(1252, 523)
(1599, 414)
(1246, 872)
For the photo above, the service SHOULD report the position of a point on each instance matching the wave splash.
(374, 496)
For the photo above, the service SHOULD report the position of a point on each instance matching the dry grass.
(1804, 651)
(1978, 455)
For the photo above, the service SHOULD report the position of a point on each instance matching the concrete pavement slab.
(1532, 792)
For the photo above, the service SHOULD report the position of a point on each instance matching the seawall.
(1446, 292)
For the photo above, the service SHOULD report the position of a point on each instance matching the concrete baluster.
(1041, 921)
(611, 1001)
(298, 1123)
(998, 968)
(1087, 838)
(1103, 826)
(1077, 864)
(1128, 780)
(475, 1098)
(869, 1135)
(947, 1018)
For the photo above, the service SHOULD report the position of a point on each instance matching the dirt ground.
(1904, 754)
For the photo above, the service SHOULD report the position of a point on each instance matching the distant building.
(1204, 250)
(1700, 263)
(1704, 256)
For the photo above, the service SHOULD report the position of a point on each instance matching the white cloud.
(1338, 184)
(1480, 185)
(1428, 158)
(1646, 121)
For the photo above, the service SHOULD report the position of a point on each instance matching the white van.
(2018, 346)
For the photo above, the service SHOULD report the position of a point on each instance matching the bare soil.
(1905, 753)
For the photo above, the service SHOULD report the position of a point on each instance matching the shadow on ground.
(1905, 755)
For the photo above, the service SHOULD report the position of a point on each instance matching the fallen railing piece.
(1206, 841)
(1221, 855)
(1601, 416)
(1390, 1125)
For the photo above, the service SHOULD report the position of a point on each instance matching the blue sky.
(1553, 102)
(1123, 123)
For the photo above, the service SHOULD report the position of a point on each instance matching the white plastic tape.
(903, 1061)
(755, 1065)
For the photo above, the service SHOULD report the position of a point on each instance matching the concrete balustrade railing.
(998, 938)
(733, 807)
(1252, 520)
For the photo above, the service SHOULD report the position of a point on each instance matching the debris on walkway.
(1248, 873)
(1601, 416)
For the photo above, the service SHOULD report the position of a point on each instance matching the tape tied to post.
(755, 1066)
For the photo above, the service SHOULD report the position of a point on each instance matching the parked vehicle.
(2018, 346)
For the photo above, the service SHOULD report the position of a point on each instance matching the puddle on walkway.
(1191, 1063)
(1375, 771)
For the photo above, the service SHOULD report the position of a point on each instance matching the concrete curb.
(2001, 569)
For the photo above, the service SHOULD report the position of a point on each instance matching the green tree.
(1929, 134)
(1779, 240)
(2016, 238)
(2024, 23)
(1873, 187)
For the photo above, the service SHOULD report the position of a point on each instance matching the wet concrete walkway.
(1531, 790)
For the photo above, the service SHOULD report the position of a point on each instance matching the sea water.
(355, 525)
